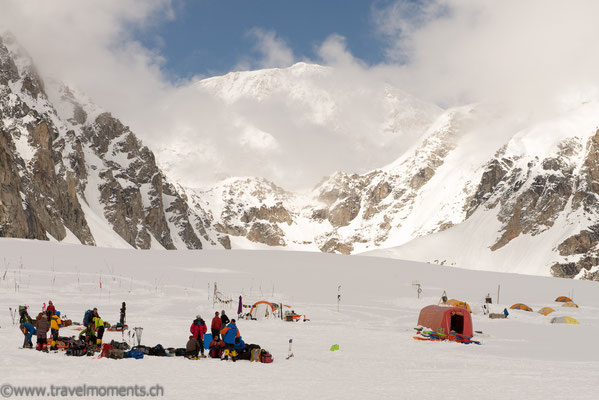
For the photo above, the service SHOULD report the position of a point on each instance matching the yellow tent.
(564, 320)
(570, 304)
(546, 311)
(458, 303)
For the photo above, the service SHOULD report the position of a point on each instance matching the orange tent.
(546, 311)
(520, 306)
(446, 319)
(262, 309)
(563, 299)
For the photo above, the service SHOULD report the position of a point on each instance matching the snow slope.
(522, 357)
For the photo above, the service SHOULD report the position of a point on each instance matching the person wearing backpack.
(216, 326)
(24, 316)
(55, 323)
(197, 329)
(192, 349)
(43, 326)
(216, 347)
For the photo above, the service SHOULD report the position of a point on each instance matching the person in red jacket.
(197, 329)
(51, 310)
(217, 325)
(216, 348)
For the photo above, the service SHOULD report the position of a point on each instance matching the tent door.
(457, 323)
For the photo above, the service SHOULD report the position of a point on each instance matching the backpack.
(158, 351)
(255, 354)
(180, 352)
(145, 350)
(76, 349)
(87, 317)
(136, 354)
(244, 355)
(116, 353)
(106, 348)
(120, 345)
(266, 357)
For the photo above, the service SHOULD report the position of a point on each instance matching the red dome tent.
(446, 319)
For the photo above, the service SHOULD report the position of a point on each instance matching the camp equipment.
(290, 354)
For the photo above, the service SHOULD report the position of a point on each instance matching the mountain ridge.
(472, 189)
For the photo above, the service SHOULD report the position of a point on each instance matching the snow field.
(522, 357)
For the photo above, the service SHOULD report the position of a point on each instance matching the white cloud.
(450, 52)
(524, 53)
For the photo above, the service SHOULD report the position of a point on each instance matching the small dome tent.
(546, 311)
(564, 320)
(570, 304)
(458, 303)
(563, 299)
(446, 319)
(520, 306)
(262, 309)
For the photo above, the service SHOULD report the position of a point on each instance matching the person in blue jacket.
(229, 334)
(28, 330)
(239, 345)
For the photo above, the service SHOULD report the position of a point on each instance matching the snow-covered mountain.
(476, 188)
(72, 172)
(278, 114)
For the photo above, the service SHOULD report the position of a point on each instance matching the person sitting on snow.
(192, 349)
(230, 333)
(216, 347)
(198, 329)
(28, 330)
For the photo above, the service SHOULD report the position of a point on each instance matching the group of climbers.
(48, 321)
(230, 343)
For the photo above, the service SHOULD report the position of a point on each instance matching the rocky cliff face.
(61, 173)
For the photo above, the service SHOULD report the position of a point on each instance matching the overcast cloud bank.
(532, 58)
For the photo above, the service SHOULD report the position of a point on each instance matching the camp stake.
(290, 354)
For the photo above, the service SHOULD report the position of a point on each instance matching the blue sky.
(210, 37)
